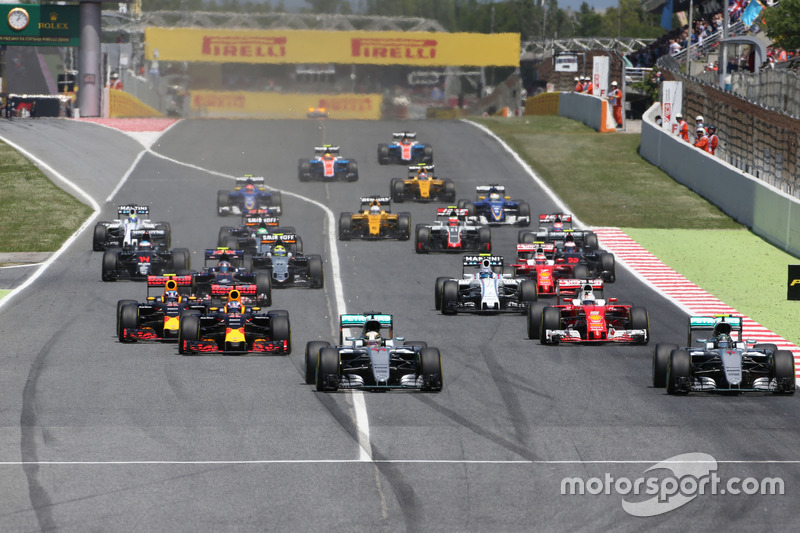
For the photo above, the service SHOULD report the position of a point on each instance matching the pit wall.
(767, 211)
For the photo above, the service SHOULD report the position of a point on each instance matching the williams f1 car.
(486, 291)
(327, 165)
(421, 185)
(117, 234)
(405, 150)
(585, 317)
(248, 195)
(721, 361)
(375, 221)
(493, 208)
(452, 232)
(372, 359)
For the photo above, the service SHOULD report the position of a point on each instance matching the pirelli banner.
(243, 104)
(343, 47)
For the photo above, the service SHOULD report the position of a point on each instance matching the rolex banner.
(40, 25)
(343, 47)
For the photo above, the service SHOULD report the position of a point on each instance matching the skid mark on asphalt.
(686, 294)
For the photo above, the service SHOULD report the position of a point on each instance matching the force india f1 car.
(287, 268)
(493, 208)
(588, 318)
(421, 185)
(117, 234)
(144, 260)
(375, 221)
(373, 359)
(327, 165)
(405, 150)
(487, 291)
(158, 318)
(722, 362)
(248, 195)
(235, 330)
(452, 233)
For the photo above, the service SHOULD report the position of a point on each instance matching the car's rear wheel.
(383, 154)
(661, 363)
(485, 239)
(427, 158)
(312, 356)
(264, 289)
(551, 320)
(224, 233)
(528, 292)
(679, 367)
(316, 272)
(608, 267)
(327, 378)
(110, 265)
(437, 291)
(470, 207)
(580, 272)
(449, 191)
(430, 369)
(276, 200)
(232, 243)
(189, 330)
(345, 221)
(404, 226)
(423, 240)
(352, 171)
(180, 259)
(525, 211)
(590, 241)
(99, 237)
(398, 190)
(449, 297)
(303, 170)
(280, 330)
(640, 319)
(223, 200)
(783, 370)
(535, 319)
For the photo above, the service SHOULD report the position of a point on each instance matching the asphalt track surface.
(97, 435)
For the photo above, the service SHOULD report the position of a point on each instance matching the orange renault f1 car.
(422, 185)
(235, 330)
(158, 318)
(375, 221)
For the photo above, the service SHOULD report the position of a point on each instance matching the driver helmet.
(724, 341)
(375, 210)
(539, 258)
(145, 245)
(279, 251)
(588, 298)
(494, 195)
(452, 221)
(171, 296)
(486, 272)
(223, 267)
(373, 338)
(249, 188)
(570, 246)
(132, 218)
(423, 174)
(234, 306)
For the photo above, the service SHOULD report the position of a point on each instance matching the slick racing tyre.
(223, 200)
(398, 190)
(303, 170)
(110, 265)
(485, 239)
(525, 211)
(580, 272)
(315, 272)
(264, 289)
(661, 363)
(423, 240)
(449, 191)
(128, 319)
(383, 154)
(678, 368)
(640, 319)
(528, 293)
(449, 297)
(345, 222)
(224, 233)
(608, 269)
(189, 330)
(312, 356)
(437, 292)
(327, 378)
(590, 241)
(280, 330)
(551, 320)
(120, 305)
(99, 237)
(535, 319)
(352, 171)
(404, 226)
(783, 370)
(430, 369)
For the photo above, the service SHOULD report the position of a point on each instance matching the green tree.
(783, 24)
(588, 22)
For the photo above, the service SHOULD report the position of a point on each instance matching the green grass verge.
(35, 215)
(602, 177)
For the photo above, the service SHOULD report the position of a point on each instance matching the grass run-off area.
(35, 215)
(605, 182)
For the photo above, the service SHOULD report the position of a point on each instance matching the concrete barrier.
(768, 212)
(591, 110)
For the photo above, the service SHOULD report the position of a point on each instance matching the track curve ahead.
(99, 435)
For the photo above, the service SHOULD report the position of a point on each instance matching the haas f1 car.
(327, 165)
(493, 208)
(486, 291)
(372, 359)
(452, 232)
(248, 196)
(375, 221)
(405, 150)
(158, 318)
(421, 185)
(118, 233)
(585, 317)
(721, 361)
(235, 330)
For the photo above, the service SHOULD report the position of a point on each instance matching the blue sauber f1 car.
(249, 195)
(493, 208)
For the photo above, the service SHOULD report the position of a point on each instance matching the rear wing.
(548, 220)
(224, 254)
(420, 166)
(482, 191)
(567, 288)
(699, 324)
(258, 220)
(407, 134)
(160, 282)
(319, 150)
(359, 321)
(385, 202)
(479, 260)
(273, 238)
(139, 233)
(257, 181)
(451, 212)
(526, 250)
(125, 210)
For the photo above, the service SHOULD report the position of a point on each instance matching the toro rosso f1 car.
(485, 291)
(158, 318)
(493, 208)
(452, 233)
(327, 165)
(405, 150)
(372, 359)
(248, 195)
(117, 234)
(721, 361)
(421, 185)
(375, 221)
(588, 318)
(235, 330)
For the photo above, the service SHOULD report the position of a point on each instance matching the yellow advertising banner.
(243, 104)
(419, 49)
(122, 104)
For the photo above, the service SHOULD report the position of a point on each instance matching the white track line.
(396, 461)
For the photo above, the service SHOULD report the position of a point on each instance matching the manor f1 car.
(327, 165)
(721, 361)
(405, 150)
(588, 318)
(372, 359)
(485, 291)
(493, 208)
(248, 195)
(452, 233)
(421, 185)
(136, 263)
(235, 330)
(375, 221)
(117, 234)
